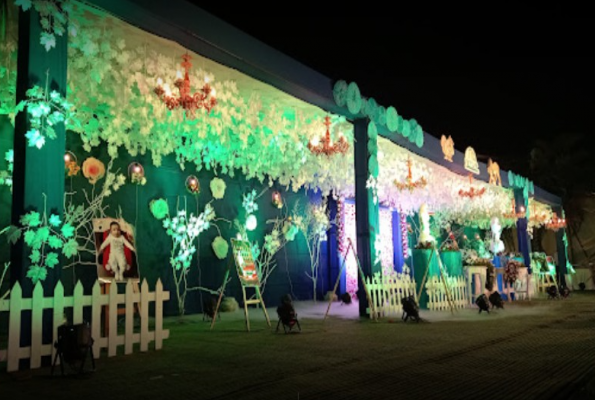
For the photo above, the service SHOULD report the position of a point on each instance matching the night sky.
(496, 82)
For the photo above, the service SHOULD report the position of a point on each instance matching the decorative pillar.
(37, 172)
(332, 245)
(366, 203)
(561, 250)
(522, 200)
(398, 257)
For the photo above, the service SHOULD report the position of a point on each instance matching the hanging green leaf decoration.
(340, 93)
(372, 131)
(406, 131)
(354, 98)
(392, 119)
(381, 116)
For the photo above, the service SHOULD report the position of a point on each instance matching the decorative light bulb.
(522, 209)
(178, 74)
(137, 169)
(207, 79)
(159, 82)
(315, 141)
(67, 157)
(213, 93)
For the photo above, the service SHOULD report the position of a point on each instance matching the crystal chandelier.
(325, 144)
(190, 102)
(556, 223)
(472, 192)
(409, 183)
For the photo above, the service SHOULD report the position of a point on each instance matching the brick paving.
(538, 350)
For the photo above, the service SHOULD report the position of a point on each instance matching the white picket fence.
(386, 292)
(16, 304)
(437, 298)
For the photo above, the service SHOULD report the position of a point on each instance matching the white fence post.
(144, 316)
(58, 303)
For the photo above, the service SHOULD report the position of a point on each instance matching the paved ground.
(538, 350)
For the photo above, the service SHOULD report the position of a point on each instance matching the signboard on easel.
(245, 265)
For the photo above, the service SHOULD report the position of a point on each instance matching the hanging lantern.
(136, 173)
(192, 184)
(277, 200)
(71, 166)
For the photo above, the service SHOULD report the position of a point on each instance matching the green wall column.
(37, 171)
(366, 205)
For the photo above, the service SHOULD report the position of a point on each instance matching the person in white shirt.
(117, 258)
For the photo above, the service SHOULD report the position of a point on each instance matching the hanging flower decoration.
(159, 209)
(409, 183)
(404, 234)
(218, 188)
(372, 183)
(276, 199)
(71, 166)
(93, 170)
(136, 172)
(192, 184)
(249, 202)
(220, 247)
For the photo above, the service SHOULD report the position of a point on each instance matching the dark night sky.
(496, 82)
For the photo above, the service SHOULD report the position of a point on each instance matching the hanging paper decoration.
(220, 247)
(276, 199)
(192, 184)
(448, 147)
(71, 166)
(136, 173)
(159, 208)
(471, 164)
(218, 188)
(93, 170)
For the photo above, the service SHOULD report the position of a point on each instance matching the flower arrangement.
(449, 247)
(93, 170)
(424, 246)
